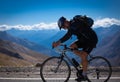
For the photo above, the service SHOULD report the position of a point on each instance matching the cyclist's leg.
(86, 51)
(82, 54)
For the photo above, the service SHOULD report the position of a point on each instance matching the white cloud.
(40, 26)
(3, 27)
(45, 26)
(106, 22)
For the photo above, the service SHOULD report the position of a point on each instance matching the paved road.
(39, 80)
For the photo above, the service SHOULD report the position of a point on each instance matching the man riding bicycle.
(86, 38)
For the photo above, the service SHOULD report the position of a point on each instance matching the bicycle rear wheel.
(99, 68)
(55, 69)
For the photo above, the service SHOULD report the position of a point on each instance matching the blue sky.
(30, 12)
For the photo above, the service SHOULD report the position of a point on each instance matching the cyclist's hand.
(55, 44)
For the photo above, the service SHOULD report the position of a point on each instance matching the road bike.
(60, 67)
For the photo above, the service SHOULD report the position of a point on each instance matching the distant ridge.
(30, 45)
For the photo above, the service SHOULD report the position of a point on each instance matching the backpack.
(84, 19)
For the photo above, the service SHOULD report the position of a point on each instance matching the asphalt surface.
(33, 75)
(113, 79)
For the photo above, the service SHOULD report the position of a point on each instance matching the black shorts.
(86, 46)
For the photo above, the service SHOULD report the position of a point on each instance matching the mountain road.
(115, 79)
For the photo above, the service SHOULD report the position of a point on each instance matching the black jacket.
(82, 32)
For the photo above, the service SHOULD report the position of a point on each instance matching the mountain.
(54, 38)
(110, 48)
(108, 44)
(31, 45)
(33, 35)
(12, 54)
(46, 37)
(106, 32)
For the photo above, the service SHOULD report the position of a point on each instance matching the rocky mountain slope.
(12, 54)
(110, 48)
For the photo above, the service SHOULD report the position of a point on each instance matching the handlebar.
(65, 48)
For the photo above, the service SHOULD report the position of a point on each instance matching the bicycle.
(60, 67)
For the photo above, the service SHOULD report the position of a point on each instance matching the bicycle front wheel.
(99, 68)
(55, 69)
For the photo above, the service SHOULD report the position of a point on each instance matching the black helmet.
(61, 22)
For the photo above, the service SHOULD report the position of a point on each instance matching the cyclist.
(86, 39)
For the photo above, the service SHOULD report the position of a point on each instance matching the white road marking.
(47, 78)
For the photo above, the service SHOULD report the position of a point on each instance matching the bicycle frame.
(63, 55)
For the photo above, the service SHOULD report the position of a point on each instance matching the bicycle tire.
(99, 68)
(47, 71)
